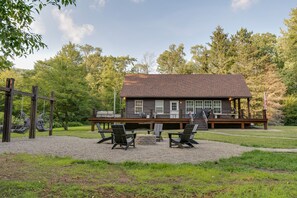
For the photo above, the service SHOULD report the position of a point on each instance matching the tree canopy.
(83, 78)
(16, 36)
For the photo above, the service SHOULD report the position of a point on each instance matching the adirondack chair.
(102, 133)
(120, 137)
(184, 137)
(192, 136)
(157, 132)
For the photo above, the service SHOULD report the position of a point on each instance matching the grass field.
(253, 174)
(275, 137)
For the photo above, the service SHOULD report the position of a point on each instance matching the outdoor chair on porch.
(102, 133)
(120, 137)
(157, 132)
(184, 137)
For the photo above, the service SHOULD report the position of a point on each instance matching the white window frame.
(190, 107)
(206, 106)
(136, 106)
(159, 106)
(217, 106)
(199, 106)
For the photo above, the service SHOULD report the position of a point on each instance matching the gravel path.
(88, 149)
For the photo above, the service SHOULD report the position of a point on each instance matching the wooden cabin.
(212, 100)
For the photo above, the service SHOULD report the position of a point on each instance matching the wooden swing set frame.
(8, 106)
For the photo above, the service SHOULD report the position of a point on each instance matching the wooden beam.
(32, 132)
(4, 89)
(51, 118)
(8, 109)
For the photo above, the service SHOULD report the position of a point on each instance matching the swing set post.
(32, 132)
(50, 132)
(8, 109)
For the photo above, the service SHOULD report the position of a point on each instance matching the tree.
(200, 59)
(92, 63)
(290, 110)
(288, 51)
(146, 65)
(172, 61)
(16, 38)
(65, 75)
(111, 79)
(219, 52)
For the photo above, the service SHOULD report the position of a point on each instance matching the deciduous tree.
(16, 37)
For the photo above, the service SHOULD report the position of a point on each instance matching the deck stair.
(202, 125)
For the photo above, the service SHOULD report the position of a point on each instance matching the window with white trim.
(138, 106)
(189, 106)
(207, 104)
(217, 106)
(159, 106)
(198, 104)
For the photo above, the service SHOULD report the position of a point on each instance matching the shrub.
(290, 110)
(74, 124)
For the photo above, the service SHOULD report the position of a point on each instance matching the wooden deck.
(181, 121)
(241, 122)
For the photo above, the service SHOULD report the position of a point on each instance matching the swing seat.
(40, 124)
(22, 128)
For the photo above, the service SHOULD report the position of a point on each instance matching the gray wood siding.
(226, 106)
(149, 104)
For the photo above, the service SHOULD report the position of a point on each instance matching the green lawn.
(274, 137)
(254, 174)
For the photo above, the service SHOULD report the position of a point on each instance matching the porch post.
(239, 109)
(234, 104)
(249, 108)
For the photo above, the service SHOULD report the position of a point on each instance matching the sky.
(137, 27)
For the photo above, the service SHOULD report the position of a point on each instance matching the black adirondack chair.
(192, 136)
(183, 138)
(102, 133)
(157, 131)
(120, 137)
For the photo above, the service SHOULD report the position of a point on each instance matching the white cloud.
(101, 3)
(38, 26)
(98, 4)
(242, 4)
(72, 31)
(137, 1)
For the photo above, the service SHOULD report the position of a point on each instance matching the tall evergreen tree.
(219, 52)
(288, 51)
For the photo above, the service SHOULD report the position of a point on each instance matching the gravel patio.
(88, 149)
